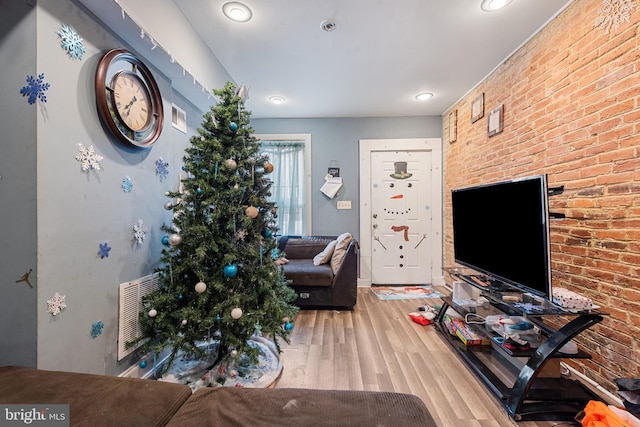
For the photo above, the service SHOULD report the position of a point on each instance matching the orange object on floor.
(597, 414)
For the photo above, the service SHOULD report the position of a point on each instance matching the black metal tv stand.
(523, 389)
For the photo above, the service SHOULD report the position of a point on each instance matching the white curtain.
(288, 189)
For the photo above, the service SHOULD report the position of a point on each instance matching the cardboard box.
(471, 336)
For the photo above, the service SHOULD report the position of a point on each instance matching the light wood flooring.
(377, 347)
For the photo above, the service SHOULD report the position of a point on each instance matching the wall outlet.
(344, 204)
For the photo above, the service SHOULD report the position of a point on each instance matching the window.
(291, 189)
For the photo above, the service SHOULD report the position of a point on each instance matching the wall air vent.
(178, 118)
(131, 294)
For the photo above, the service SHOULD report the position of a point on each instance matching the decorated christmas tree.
(219, 279)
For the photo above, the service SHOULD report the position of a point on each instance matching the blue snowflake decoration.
(104, 250)
(71, 42)
(35, 89)
(162, 169)
(127, 185)
(96, 329)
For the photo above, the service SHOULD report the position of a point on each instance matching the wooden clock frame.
(110, 64)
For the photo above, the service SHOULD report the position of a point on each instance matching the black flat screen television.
(502, 230)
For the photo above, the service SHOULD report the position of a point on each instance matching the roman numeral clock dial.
(128, 99)
(131, 100)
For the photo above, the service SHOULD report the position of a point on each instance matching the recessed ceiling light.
(423, 96)
(491, 5)
(237, 11)
(276, 99)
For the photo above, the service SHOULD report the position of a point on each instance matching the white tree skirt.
(236, 372)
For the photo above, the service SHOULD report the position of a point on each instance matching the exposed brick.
(572, 111)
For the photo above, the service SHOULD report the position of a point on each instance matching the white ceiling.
(381, 55)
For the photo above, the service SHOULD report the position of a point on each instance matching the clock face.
(128, 101)
(131, 101)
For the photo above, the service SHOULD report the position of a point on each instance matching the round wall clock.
(128, 99)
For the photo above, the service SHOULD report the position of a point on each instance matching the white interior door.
(401, 217)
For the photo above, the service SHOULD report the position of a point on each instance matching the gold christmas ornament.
(268, 167)
(231, 164)
(252, 212)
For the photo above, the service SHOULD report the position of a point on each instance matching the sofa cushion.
(340, 251)
(325, 256)
(95, 400)
(304, 272)
(229, 406)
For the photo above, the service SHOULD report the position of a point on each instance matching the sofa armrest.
(95, 400)
(345, 281)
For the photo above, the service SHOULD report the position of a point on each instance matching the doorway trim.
(366, 147)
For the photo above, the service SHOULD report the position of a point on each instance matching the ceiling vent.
(328, 25)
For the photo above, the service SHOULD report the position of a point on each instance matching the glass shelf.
(514, 376)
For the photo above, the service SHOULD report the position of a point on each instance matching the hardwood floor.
(377, 347)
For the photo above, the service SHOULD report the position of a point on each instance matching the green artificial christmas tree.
(219, 279)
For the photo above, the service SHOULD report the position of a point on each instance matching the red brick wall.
(571, 100)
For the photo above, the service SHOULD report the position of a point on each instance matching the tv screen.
(502, 230)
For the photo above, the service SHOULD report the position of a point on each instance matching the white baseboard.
(135, 371)
(596, 388)
(364, 283)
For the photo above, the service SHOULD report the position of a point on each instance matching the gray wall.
(54, 215)
(337, 139)
(17, 186)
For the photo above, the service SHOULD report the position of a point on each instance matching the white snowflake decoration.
(139, 232)
(88, 158)
(614, 13)
(56, 304)
(71, 42)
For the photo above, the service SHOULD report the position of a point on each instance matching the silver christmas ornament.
(201, 287)
(175, 239)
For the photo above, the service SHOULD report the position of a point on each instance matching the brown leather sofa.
(317, 286)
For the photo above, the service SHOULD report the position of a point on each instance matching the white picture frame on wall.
(477, 108)
(453, 126)
(495, 120)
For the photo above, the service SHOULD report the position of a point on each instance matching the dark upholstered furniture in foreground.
(95, 400)
(316, 285)
(98, 400)
(228, 406)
